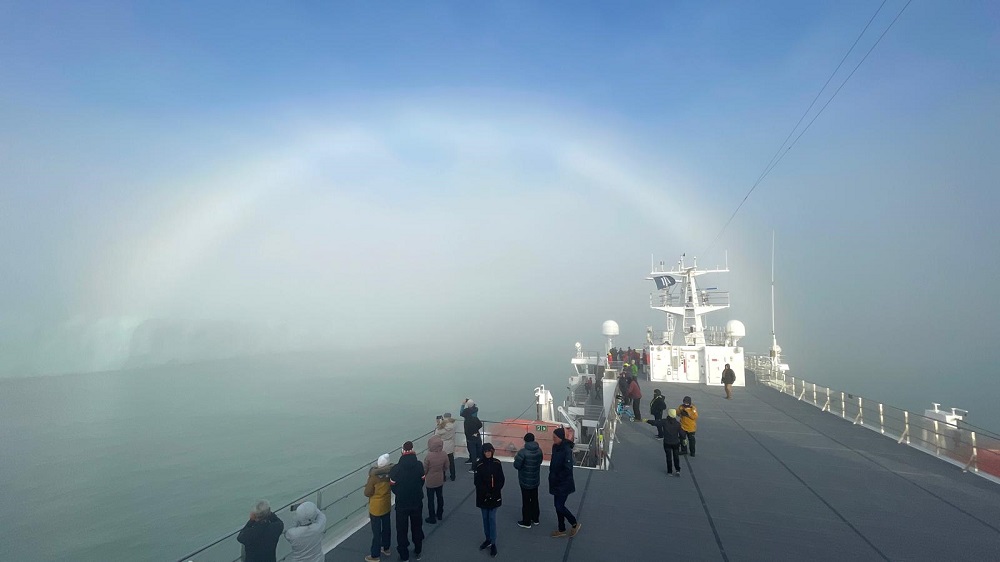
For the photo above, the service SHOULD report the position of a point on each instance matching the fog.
(201, 197)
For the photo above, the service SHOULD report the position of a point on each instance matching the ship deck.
(774, 479)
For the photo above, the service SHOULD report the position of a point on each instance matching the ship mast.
(775, 348)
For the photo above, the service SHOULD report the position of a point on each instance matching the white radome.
(735, 329)
(610, 328)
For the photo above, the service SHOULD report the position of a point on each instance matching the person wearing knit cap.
(561, 483)
(670, 428)
(378, 492)
(407, 480)
(656, 407)
(473, 439)
(528, 464)
(445, 429)
(489, 482)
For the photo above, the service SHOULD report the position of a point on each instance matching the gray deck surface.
(774, 479)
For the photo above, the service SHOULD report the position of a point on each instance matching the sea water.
(150, 464)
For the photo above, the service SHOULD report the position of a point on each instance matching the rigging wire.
(782, 150)
(820, 92)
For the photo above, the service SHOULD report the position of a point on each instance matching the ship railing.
(971, 448)
(706, 298)
(343, 501)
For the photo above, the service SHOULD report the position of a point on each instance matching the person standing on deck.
(306, 537)
(672, 436)
(656, 407)
(435, 471)
(689, 423)
(489, 481)
(379, 494)
(528, 464)
(728, 378)
(635, 394)
(474, 441)
(446, 431)
(561, 483)
(261, 533)
(588, 385)
(622, 383)
(407, 480)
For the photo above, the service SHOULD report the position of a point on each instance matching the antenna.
(775, 348)
(772, 286)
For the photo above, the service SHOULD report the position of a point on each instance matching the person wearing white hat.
(379, 494)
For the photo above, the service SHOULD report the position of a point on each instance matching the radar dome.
(735, 329)
(610, 328)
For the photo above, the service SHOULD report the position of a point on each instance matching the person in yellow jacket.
(688, 415)
(378, 492)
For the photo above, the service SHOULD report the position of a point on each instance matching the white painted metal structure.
(706, 350)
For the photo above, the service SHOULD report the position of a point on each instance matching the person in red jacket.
(636, 395)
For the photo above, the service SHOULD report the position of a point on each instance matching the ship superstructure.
(705, 350)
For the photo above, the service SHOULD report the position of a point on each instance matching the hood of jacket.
(435, 444)
(566, 443)
(382, 473)
(306, 514)
(532, 446)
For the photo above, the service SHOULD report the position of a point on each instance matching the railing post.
(843, 406)
(803, 393)
(814, 394)
(826, 406)
(881, 419)
(319, 499)
(973, 459)
(906, 428)
(937, 439)
(860, 418)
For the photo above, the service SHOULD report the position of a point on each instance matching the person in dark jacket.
(728, 378)
(474, 442)
(561, 483)
(656, 407)
(407, 481)
(528, 464)
(489, 482)
(672, 436)
(261, 533)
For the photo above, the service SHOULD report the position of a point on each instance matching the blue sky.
(498, 175)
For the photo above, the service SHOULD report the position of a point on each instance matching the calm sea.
(151, 464)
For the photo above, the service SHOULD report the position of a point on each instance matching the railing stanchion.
(814, 394)
(881, 419)
(937, 440)
(826, 407)
(906, 428)
(860, 418)
(319, 499)
(972, 459)
(843, 406)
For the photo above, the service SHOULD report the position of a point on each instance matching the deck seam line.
(883, 467)
(808, 487)
(704, 505)
(579, 513)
